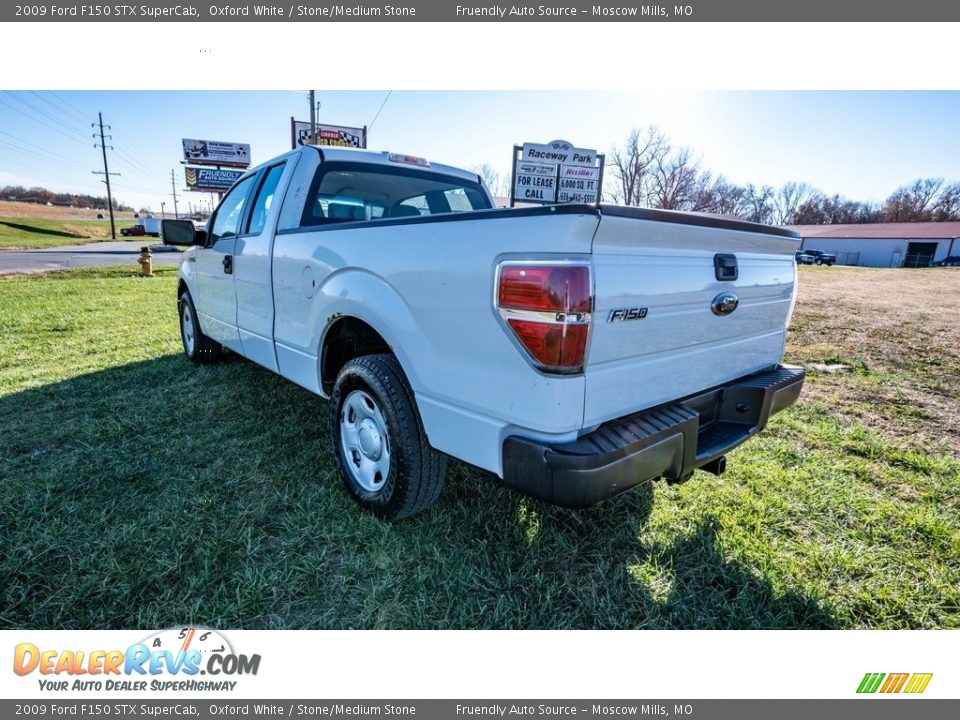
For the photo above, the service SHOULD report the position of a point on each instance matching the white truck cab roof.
(387, 158)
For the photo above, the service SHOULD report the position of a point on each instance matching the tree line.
(648, 171)
(44, 196)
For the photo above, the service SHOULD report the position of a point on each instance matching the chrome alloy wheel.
(187, 329)
(364, 441)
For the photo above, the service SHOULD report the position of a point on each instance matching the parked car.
(821, 258)
(803, 258)
(546, 345)
(952, 261)
(133, 231)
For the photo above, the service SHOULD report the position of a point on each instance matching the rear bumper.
(670, 441)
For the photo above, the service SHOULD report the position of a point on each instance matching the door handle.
(228, 264)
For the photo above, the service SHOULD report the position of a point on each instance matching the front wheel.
(382, 451)
(196, 346)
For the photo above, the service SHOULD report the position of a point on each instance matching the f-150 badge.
(631, 313)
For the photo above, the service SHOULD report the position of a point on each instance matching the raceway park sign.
(211, 179)
(556, 172)
(213, 152)
(329, 135)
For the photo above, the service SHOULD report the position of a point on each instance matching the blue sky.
(859, 144)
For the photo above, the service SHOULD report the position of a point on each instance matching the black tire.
(818, 261)
(416, 472)
(201, 350)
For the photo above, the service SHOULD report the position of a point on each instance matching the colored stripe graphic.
(894, 682)
(870, 682)
(918, 683)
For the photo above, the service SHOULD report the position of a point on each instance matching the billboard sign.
(204, 179)
(556, 172)
(214, 152)
(329, 135)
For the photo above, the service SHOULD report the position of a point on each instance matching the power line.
(23, 141)
(38, 120)
(67, 103)
(33, 107)
(131, 158)
(60, 109)
(64, 127)
(136, 186)
(80, 106)
(389, 93)
(42, 170)
(39, 154)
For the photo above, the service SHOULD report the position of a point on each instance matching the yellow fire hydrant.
(146, 261)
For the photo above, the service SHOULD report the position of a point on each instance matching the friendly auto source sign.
(335, 135)
(211, 179)
(556, 172)
(214, 152)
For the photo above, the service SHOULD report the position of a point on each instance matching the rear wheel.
(818, 261)
(196, 346)
(381, 448)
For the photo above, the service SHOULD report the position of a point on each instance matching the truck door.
(216, 300)
(252, 263)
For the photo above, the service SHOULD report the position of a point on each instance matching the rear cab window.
(348, 192)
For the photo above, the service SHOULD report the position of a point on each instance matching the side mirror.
(181, 232)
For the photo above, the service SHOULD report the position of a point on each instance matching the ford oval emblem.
(724, 303)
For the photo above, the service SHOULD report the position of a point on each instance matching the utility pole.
(173, 186)
(313, 118)
(106, 171)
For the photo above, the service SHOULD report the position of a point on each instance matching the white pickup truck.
(572, 350)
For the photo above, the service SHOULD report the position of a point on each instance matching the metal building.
(884, 244)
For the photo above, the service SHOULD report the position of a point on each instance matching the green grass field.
(141, 491)
(28, 233)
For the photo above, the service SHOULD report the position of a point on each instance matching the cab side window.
(230, 212)
(264, 201)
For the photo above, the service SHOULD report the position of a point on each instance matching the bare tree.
(702, 195)
(673, 183)
(729, 198)
(758, 203)
(632, 164)
(947, 206)
(912, 203)
(786, 200)
(498, 183)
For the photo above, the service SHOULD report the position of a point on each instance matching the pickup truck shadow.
(156, 493)
(604, 575)
(39, 230)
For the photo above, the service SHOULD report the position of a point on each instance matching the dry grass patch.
(898, 333)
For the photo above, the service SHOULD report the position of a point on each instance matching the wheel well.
(348, 338)
(181, 289)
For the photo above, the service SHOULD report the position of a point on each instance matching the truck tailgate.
(655, 336)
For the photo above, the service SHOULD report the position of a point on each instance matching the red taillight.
(548, 308)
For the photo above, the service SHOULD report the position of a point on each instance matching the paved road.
(70, 256)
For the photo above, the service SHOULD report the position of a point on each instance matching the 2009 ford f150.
(573, 350)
